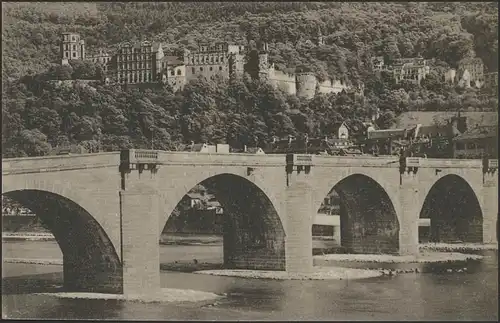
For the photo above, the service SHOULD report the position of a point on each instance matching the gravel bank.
(423, 257)
(166, 295)
(319, 273)
(458, 246)
(33, 261)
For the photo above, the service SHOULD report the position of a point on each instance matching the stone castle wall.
(306, 85)
(332, 86)
(283, 81)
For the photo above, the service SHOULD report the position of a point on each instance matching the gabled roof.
(172, 60)
(479, 133)
(194, 147)
(195, 196)
(253, 150)
(386, 133)
(156, 46)
(337, 125)
(426, 118)
(434, 130)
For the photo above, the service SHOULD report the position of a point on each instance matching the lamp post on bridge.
(152, 137)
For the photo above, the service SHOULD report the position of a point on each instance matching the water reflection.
(471, 295)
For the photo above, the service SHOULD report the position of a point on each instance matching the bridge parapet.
(43, 164)
(359, 161)
(446, 163)
(191, 158)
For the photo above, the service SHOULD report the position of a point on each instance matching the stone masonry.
(130, 195)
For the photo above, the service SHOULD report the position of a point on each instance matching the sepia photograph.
(320, 161)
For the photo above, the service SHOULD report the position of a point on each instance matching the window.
(74, 54)
(172, 73)
(211, 68)
(193, 70)
(479, 146)
(222, 59)
(201, 69)
(73, 38)
(216, 59)
(179, 72)
(74, 47)
(66, 54)
(220, 68)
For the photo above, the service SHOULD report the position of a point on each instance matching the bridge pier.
(409, 199)
(300, 213)
(489, 203)
(140, 242)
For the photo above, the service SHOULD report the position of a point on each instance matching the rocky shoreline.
(166, 295)
(318, 273)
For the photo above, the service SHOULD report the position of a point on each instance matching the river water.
(448, 296)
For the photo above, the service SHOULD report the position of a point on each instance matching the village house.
(477, 142)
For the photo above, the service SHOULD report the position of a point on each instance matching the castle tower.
(236, 65)
(320, 40)
(72, 47)
(306, 85)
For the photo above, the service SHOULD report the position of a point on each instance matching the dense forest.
(38, 114)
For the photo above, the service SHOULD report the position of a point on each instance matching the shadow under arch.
(454, 211)
(368, 219)
(253, 233)
(90, 261)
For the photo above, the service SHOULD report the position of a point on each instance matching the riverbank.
(423, 257)
(165, 295)
(318, 273)
(458, 247)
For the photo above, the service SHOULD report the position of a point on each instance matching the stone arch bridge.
(107, 210)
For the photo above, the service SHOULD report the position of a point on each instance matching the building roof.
(386, 133)
(172, 60)
(194, 196)
(479, 132)
(337, 125)
(252, 150)
(194, 147)
(425, 118)
(473, 60)
(434, 130)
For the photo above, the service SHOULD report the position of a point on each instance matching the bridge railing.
(61, 162)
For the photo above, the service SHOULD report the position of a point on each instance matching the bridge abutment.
(140, 242)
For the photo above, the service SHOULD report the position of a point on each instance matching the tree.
(386, 119)
(30, 143)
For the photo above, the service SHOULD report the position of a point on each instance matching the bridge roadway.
(107, 210)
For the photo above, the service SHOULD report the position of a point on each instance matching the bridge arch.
(90, 261)
(253, 230)
(369, 221)
(454, 211)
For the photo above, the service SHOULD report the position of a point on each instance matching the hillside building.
(470, 72)
(410, 69)
(138, 63)
(102, 58)
(491, 80)
(146, 63)
(72, 47)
